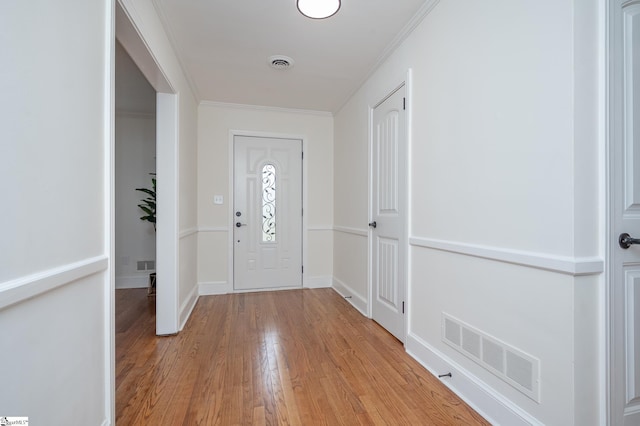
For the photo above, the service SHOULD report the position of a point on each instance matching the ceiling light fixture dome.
(318, 9)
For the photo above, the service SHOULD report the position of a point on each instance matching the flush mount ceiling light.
(318, 9)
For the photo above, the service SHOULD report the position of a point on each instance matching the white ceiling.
(224, 46)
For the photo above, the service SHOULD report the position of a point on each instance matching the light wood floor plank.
(300, 357)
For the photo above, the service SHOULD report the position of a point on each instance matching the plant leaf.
(148, 205)
(147, 191)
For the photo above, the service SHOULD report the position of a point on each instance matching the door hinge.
(303, 269)
(404, 103)
(403, 307)
(303, 155)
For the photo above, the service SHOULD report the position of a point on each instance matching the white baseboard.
(188, 305)
(317, 282)
(487, 402)
(358, 302)
(213, 288)
(132, 281)
(222, 287)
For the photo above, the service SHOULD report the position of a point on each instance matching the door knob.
(626, 241)
(238, 224)
(373, 224)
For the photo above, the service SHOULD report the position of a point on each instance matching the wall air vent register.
(520, 370)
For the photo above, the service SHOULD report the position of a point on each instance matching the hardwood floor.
(300, 357)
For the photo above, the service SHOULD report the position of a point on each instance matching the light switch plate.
(218, 199)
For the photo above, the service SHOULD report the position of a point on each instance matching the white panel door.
(389, 201)
(267, 221)
(624, 308)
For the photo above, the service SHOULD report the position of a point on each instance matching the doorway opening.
(135, 167)
(166, 259)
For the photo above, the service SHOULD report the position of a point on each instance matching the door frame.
(167, 116)
(380, 97)
(614, 391)
(230, 221)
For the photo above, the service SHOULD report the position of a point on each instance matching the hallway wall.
(55, 273)
(504, 217)
(215, 121)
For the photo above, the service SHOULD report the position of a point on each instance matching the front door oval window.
(269, 203)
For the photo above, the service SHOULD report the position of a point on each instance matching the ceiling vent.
(281, 62)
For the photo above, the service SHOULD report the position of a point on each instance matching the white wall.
(55, 136)
(215, 121)
(188, 193)
(135, 239)
(148, 25)
(135, 153)
(504, 196)
(351, 211)
(134, 94)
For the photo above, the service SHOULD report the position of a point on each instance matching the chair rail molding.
(352, 231)
(20, 289)
(575, 266)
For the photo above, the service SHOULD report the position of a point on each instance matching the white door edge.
(167, 243)
(621, 395)
(407, 135)
(230, 203)
(607, 415)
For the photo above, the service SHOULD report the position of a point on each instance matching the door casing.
(379, 99)
(231, 203)
(167, 169)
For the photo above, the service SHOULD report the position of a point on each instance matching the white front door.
(267, 221)
(624, 289)
(389, 207)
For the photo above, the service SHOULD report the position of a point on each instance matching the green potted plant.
(148, 206)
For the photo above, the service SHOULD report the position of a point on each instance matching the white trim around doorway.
(305, 228)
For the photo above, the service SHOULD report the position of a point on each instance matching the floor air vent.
(520, 370)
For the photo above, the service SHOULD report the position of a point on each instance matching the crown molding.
(266, 108)
(405, 32)
(162, 16)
